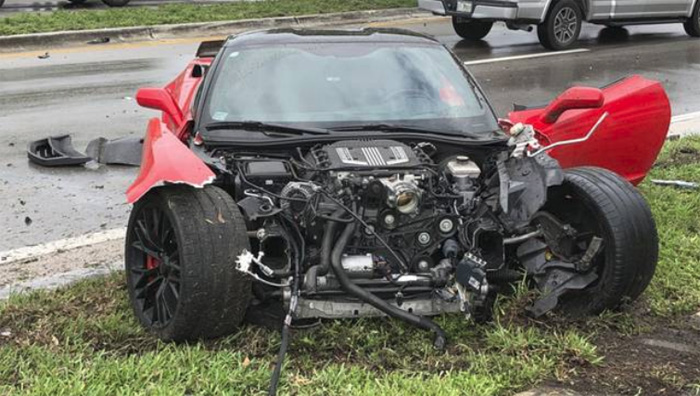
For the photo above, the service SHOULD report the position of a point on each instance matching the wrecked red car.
(341, 174)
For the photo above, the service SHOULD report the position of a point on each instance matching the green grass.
(676, 286)
(83, 339)
(183, 13)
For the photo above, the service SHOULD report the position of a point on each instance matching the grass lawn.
(23, 23)
(84, 340)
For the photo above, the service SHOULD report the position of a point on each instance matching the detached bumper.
(496, 10)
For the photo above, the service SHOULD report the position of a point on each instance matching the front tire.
(692, 25)
(180, 255)
(562, 26)
(603, 203)
(471, 29)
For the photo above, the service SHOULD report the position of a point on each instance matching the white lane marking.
(28, 252)
(685, 117)
(529, 56)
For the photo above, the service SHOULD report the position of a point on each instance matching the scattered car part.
(55, 151)
(59, 151)
(676, 183)
(101, 40)
(120, 151)
(341, 214)
(620, 146)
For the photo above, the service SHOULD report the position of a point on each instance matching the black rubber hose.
(504, 275)
(298, 257)
(321, 269)
(351, 288)
(274, 382)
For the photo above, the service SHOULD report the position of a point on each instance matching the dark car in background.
(111, 3)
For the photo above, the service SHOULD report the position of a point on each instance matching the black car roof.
(295, 36)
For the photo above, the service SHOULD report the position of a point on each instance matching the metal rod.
(521, 238)
(572, 141)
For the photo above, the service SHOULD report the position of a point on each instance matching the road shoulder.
(37, 41)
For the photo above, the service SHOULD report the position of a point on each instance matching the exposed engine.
(383, 227)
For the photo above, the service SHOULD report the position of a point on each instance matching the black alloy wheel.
(181, 247)
(155, 273)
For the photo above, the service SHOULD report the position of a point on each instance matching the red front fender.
(167, 160)
(627, 142)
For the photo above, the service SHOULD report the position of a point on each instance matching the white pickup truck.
(559, 21)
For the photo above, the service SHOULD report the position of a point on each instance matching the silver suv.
(559, 21)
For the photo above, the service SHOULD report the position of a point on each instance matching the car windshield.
(347, 85)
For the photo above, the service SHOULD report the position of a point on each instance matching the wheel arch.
(583, 4)
(166, 159)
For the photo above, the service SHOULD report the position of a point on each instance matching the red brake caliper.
(151, 262)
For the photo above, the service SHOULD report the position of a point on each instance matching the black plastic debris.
(55, 151)
(101, 40)
(59, 151)
(121, 151)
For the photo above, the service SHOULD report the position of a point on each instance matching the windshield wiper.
(265, 127)
(383, 127)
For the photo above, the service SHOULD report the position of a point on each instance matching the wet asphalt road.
(88, 92)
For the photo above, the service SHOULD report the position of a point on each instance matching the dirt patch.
(663, 361)
(680, 156)
(101, 255)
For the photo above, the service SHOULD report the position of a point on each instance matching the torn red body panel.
(627, 142)
(166, 159)
(183, 89)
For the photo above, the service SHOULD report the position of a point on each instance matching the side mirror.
(159, 99)
(573, 98)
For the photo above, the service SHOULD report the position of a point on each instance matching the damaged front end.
(383, 227)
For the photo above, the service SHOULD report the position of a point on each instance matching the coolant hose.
(351, 288)
(326, 245)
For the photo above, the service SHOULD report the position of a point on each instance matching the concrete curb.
(58, 280)
(142, 33)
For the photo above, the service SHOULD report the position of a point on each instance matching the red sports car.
(337, 174)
